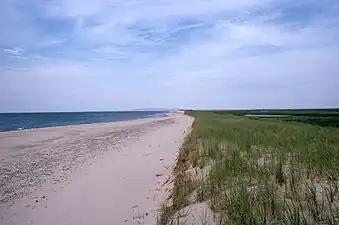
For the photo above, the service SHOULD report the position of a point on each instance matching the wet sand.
(110, 173)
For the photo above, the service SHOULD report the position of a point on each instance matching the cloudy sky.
(75, 55)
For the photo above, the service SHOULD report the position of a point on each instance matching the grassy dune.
(258, 171)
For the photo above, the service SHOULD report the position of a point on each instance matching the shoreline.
(82, 125)
(61, 162)
(157, 115)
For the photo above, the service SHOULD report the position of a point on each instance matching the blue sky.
(68, 55)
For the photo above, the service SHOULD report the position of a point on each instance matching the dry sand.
(112, 173)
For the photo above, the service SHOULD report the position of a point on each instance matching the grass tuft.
(260, 171)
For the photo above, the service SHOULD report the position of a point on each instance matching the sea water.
(21, 121)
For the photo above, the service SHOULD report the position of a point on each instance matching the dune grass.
(321, 117)
(259, 171)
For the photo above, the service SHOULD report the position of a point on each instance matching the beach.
(107, 173)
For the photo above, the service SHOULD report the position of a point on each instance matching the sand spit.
(110, 173)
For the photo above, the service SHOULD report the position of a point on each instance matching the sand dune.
(111, 173)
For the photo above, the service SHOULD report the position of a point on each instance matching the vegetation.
(259, 171)
(321, 117)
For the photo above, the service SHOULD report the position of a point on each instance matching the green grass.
(322, 117)
(293, 112)
(260, 171)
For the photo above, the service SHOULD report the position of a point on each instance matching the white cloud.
(205, 54)
(14, 51)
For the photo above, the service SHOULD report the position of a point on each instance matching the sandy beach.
(110, 173)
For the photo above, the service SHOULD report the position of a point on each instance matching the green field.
(260, 170)
(322, 117)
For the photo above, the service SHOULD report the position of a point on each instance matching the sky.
(94, 55)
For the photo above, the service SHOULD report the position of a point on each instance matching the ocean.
(21, 121)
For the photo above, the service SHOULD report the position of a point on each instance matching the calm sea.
(19, 121)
